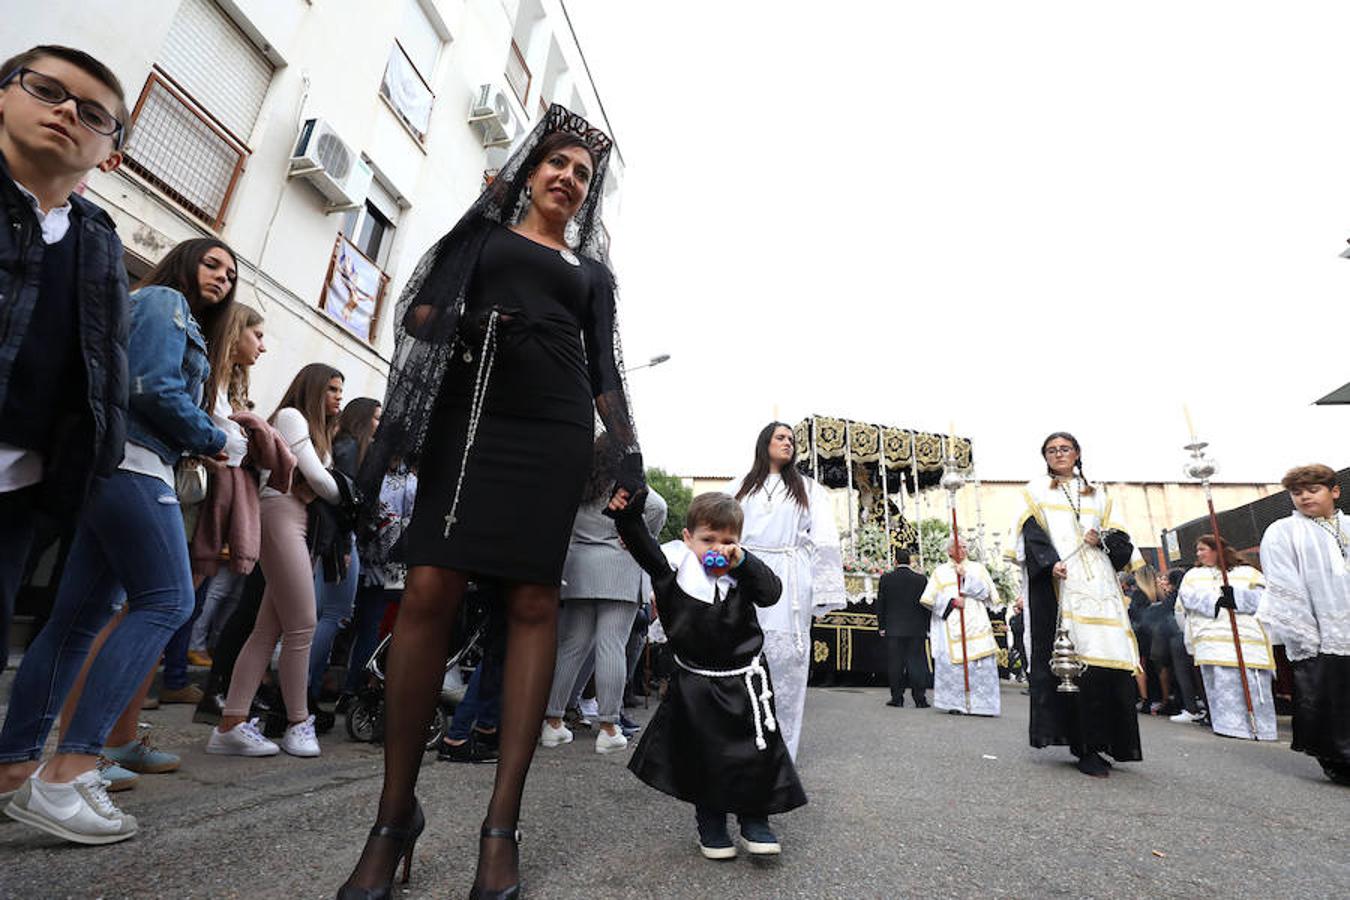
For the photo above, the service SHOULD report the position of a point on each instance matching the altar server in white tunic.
(789, 524)
(1307, 608)
(1070, 550)
(1209, 637)
(977, 596)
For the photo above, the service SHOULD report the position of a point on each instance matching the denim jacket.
(167, 358)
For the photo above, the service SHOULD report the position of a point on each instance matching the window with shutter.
(217, 65)
(197, 110)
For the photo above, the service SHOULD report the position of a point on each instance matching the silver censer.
(1064, 662)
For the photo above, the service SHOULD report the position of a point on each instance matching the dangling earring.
(523, 204)
(572, 233)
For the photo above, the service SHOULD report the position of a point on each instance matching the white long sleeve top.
(291, 425)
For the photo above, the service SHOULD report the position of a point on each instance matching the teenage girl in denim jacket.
(130, 539)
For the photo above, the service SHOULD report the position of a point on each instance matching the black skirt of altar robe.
(1099, 718)
(1322, 710)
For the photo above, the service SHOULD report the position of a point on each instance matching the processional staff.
(1202, 468)
(952, 481)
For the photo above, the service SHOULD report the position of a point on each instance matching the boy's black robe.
(700, 744)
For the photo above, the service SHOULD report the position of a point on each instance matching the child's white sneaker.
(553, 737)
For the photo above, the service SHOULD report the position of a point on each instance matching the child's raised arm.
(637, 540)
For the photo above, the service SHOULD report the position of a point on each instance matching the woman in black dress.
(508, 349)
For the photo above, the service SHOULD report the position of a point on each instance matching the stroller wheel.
(363, 719)
(436, 728)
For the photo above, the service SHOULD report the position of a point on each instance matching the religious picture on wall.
(353, 290)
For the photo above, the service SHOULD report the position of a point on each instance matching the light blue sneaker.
(140, 756)
(115, 777)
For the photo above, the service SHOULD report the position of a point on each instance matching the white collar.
(54, 223)
(690, 575)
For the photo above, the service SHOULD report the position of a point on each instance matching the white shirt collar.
(690, 575)
(54, 223)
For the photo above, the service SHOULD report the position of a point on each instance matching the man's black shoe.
(895, 702)
(921, 702)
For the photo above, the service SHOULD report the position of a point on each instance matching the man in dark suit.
(903, 622)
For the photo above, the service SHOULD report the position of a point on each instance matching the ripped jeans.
(130, 538)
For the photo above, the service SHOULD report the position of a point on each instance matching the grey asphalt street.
(904, 803)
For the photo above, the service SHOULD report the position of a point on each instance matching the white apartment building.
(326, 229)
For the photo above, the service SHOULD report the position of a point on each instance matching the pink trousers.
(287, 612)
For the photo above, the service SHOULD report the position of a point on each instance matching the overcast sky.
(1018, 217)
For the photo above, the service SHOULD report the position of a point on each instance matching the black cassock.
(1101, 716)
(700, 744)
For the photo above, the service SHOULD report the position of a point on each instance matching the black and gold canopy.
(826, 445)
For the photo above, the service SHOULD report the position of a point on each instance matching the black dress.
(532, 449)
(1101, 716)
(700, 746)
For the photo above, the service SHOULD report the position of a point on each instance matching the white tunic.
(801, 546)
(1307, 600)
(949, 676)
(1210, 639)
(1094, 609)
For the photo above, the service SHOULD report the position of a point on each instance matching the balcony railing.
(518, 74)
(180, 149)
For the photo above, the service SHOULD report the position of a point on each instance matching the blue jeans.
(175, 652)
(130, 537)
(333, 602)
(370, 606)
(482, 703)
(16, 539)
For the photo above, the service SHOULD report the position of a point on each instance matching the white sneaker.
(553, 737)
(77, 811)
(1184, 716)
(609, 743)
(590, 709)
(299, 739)
(243, 739)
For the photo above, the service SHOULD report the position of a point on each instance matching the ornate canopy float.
(882, 464)
(886, 472)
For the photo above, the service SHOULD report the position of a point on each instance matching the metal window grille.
(178, 148)
(517, 73)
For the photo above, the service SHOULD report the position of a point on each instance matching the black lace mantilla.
(429, 308)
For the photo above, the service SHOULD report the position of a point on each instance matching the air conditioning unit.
(492, 115)
(331, 165)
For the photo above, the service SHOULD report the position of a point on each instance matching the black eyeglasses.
(92, 114)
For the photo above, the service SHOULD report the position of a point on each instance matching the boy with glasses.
(63, 300)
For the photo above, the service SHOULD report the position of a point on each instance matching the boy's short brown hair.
(80, 60)
(716, 511)
(1306, 476)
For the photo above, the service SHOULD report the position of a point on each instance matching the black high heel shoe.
(407, 840)
(511, 892)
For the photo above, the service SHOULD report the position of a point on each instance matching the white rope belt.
(761, 707)
(791, 586)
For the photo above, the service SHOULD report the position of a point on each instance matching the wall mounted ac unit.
(332, 166)
(492, 116)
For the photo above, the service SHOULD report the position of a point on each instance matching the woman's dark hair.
(759, 471)
(178, 270)
(1231, 558)
(358, 421)
(1174, 577)
(552, 143)
(607, 455)
(1078, 463)
(307, 392)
